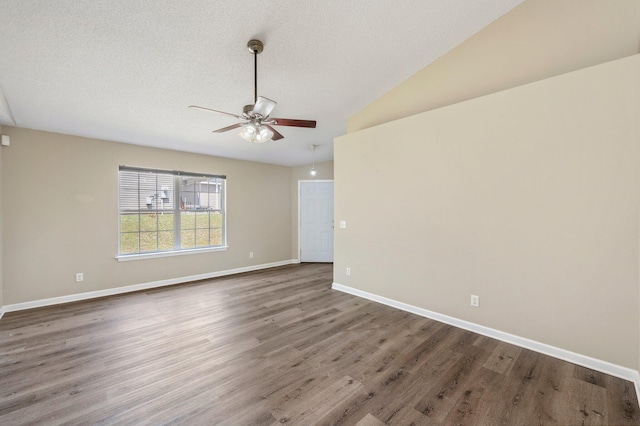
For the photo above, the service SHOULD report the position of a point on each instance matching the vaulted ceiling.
(126, 70)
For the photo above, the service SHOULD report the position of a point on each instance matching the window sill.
(128, 257)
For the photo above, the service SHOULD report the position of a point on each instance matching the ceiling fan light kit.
(259, 134)
(257, 123)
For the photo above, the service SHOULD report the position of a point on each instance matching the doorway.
(315, 220)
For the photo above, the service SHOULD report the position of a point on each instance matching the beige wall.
(1, 239)
(324, 171)
(61, 215)
(528, 198)
(536, 40)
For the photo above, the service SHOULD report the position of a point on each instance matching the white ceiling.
(126, 70)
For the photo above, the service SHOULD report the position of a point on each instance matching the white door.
(316, 221)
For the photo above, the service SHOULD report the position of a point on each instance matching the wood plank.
(279, 346)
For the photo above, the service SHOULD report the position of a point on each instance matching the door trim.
(298, 229)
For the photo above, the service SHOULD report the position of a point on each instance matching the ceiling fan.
(256, 123)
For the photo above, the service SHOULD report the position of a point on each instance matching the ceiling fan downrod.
(256, 47)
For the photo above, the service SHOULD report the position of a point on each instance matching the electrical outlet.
(348, 271)
(343, 224)
(79, 277)
(475, 301)
(250, 255)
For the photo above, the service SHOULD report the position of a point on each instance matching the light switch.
(343, 224)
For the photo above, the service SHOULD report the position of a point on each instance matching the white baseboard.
(136, 287)
(563, 354)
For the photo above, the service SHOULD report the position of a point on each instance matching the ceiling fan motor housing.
(247, 110)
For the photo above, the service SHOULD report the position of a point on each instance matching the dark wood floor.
(279, 346)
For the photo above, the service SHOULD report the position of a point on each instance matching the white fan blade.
(215, 110)
(264, 106)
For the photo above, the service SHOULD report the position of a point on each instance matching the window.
(164, 211)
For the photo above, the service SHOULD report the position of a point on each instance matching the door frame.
(298, 251)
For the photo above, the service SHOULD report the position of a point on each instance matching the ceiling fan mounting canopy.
(255, 46)
(256, 121)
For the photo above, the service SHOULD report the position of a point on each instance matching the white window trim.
(141, 256)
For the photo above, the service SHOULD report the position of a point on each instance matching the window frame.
(177, 175)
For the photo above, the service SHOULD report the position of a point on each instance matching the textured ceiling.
(126, 70)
